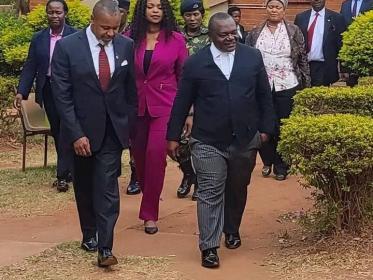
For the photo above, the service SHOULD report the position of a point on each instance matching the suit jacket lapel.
(327, 26)
(118, 55)
(236, 62)
(88, 56)
(349, 12)
(46, 42)
(305, 22)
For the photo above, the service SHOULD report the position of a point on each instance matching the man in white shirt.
(227, 85)
(95, 93)
(322, 29)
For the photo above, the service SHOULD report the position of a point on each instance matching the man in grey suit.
(227, 85)
(95, 93)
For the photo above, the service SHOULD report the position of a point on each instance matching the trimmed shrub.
(366, 81)
(334, 153)
(357, 50)
(331, 100)
(79, 16)
(7, 120)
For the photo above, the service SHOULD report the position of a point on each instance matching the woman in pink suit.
(159, 56)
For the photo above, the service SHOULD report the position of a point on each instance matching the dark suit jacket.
(37, 63)
(244, 34)
(80, 101)
(223, 108)
(346, 10)
(332, 40)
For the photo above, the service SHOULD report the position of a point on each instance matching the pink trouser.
(150, 152)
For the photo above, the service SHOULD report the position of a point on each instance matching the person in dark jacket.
(37, 69)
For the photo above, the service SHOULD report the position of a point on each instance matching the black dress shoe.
(151, 230)
(62, 185)
(280, 177)
(232, 241)
(89, 245)
(106, 258)
(210, 258)
(266, 170)
(184, 187)
(133, 188)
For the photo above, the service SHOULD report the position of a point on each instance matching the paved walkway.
(177, 236)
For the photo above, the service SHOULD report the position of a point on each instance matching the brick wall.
(254, 12)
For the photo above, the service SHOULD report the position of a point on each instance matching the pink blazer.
(157, 89)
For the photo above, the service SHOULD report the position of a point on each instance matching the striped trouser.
(222, 175)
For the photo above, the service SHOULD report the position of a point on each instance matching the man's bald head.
(105, 20)
(217, 18)
(105, 6)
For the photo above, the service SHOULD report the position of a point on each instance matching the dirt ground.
(262, 231)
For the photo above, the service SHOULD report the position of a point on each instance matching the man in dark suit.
(235, 13)
(350, 9)
(227, 84)
(95, 94)
(37, 66)
(322, 30)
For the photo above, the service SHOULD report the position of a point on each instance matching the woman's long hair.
(139, 24)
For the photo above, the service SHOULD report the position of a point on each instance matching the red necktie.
(354, 9)
(103, 69)
(310, 33)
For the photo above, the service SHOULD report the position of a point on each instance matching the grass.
(68, 261)
(30, 193)
(336, 257)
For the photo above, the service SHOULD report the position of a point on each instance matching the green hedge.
(334, 153)
(357, 50)
(366, 81)
(79, 15)
(7, 121)
(329, 100)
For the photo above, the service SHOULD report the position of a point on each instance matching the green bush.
(334, 153)
(78, 16)
(366, 81)
(329, 100)
(7, 119)
(175, 4)
(357, 50)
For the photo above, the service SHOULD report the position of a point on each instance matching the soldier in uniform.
(196, 36)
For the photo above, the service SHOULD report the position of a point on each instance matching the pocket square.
(124, 63)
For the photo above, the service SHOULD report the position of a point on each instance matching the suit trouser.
(283, 104)
(223, 176)
(96, 189)
(318, 74)
(64, 152)
(150, 151)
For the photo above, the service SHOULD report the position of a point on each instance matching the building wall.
(254, 12)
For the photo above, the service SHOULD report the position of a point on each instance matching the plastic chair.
(34, 122)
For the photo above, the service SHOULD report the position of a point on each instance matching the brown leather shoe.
(106, 258)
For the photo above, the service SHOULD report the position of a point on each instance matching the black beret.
(124, 4)
(191, 5)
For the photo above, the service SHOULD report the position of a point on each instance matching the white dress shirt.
(316, 53)
(95, 51)
(224, 60)
(358, 6)
(239, 31)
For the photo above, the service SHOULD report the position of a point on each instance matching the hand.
(18, 100)
(172, 149)
(82, 147)
(264, 137)
(188, 126)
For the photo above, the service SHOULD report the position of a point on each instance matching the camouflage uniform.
(197, 42)
(194, 44)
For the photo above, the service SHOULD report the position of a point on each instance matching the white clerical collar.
(217, 53)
